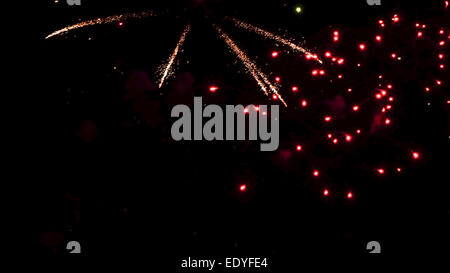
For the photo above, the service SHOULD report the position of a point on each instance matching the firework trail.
(259, 76)
(269, 35)
(166, 69)
(101, 21)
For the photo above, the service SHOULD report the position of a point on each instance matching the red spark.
(275, 97)
(304, 103)
(328, 54)
(393, 55)
(213, 89)
(427, 89)
(362, 47)
(387, 121)
(316, 173)
(329, 135)
(378, 38)
(294, 88)
(326, 192)
(322, 72)
(399, 170)
(277, 79)
(327, 118)
(441, 56)
(419, 34)
(275, 54)
(442, 43)
(339, 76)
(415, 155)
(299, 148)
(315, 72)
(335, 141)
(120, 24)
(438, 82)
(243, 187)
(349, 195)
(340, 61)
(348, 138)
(355, 108)
(358, 131)
(380, 171)
(349, 90)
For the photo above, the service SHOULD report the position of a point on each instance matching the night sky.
(114, 180)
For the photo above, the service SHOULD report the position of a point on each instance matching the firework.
(269, 35)
(166, 69)
(259, 76)
(101, 21)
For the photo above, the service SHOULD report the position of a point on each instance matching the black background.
(133, 191)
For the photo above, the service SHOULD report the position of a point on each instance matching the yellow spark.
(101, 21)
(257, 74)
(268, 35)
(165, 72)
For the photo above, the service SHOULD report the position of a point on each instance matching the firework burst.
(166, 70)
(101, 21)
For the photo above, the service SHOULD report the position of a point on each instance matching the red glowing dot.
(358, 131)
(419, 34)
(396, 19)
(358, 65)
(330, 135)
(120, 24)
(340, 61)
(277, 79)
(378, 38)
(327, 118)
(213, 89)
(399, 170)
(391, 99)
(339, 76)
(256, 108)
(355, 108)
(438, 82)
(388, 107)
(299, 147)
(441, 56)
(441, 43)
(316, 173)
(441, 66)
(275, 97)
(304, 103)
(349, 90)
(334, 59)
(362, 47)
(328, 54)
(417, 25)
(415, 155)
(380, 171)
(294, 88)
(348, 138)
(387, 121)
(275, 54)
(336, 33)
(243, 187)
(383, 92)
(315, 72)
(246, 110)
(424, 26)
(441, 31)
(380, 76)
(378, 96)
(427, 89)
(389, 86)
(393, 55)
(335, 141)
(349, 195)
(326, 192)
(336, 38)
(322, 72)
